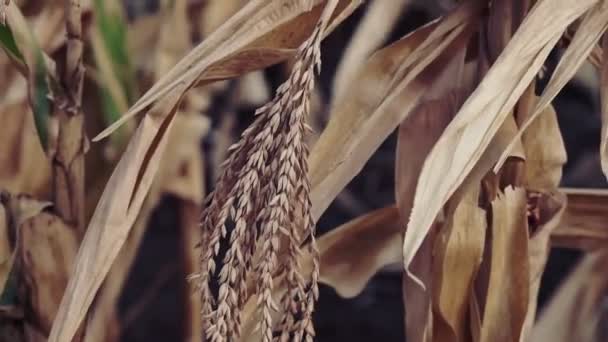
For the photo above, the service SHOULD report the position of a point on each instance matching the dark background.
(151, 302)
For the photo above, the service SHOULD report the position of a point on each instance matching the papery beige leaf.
(507, 295)
(469, 134)
(387, 89)
(355, 251)
(550, 207)
(114, 216)
(46, 252)
(261, 23)
(583, 223)
(350, 255)
(458, 253)
(573, 313)
(416, 300)
(545, 152)
(589, 32)
(417, 134)
(262, 33)
(25, 166)
(14, 211)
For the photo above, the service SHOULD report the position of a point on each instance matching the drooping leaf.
(387, 89)
(589, 32)
(262, 33)
(262, 24)
(469, 134)
(350, 255)
(506, 304)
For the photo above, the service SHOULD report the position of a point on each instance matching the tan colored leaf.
(25, 167)
(386, 90)
(469, 134)
(262, 33)
(573, 313)
(583, 223)
(545, 152)
(550, 208)
(14, 211)
(350, 255)
(47, 250)
(416, 300)
(114, 216)
(588, 34)
(262, 21)
(355, 251)
(458, 254)
(507, 295)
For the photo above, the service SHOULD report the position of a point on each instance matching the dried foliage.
(478, 203)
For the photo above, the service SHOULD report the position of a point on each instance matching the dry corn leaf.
(130, 182)
(589, 32)
(550, 208)
(114, 216)
(573, 313)
(387, 89)
(458, 254)
(583, 223)
(545, 152)
(44, 271)
(350, 255)
(417, 134)
(469, 134)
(507, 295)
(25, 166)
(418, 302)
(260, 34)
(14, 211)
(355, 251)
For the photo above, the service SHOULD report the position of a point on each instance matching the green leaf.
(41, 105)
(8, 43)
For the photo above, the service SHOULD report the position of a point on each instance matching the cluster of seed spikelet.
(264, 193)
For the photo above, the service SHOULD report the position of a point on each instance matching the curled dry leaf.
(549, 208)
(583, 223)
(262, 33)
(353, 252)
(260, 26)
(458, 253)
(14, 211)
(470, 133)
(593, 25)
(573, 313)
(46, 252)
(350, 255)
(506, 303)
(387, 89)
(545, 152)
(417, 134)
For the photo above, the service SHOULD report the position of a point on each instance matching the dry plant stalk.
(265, 191)
(68, 160)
